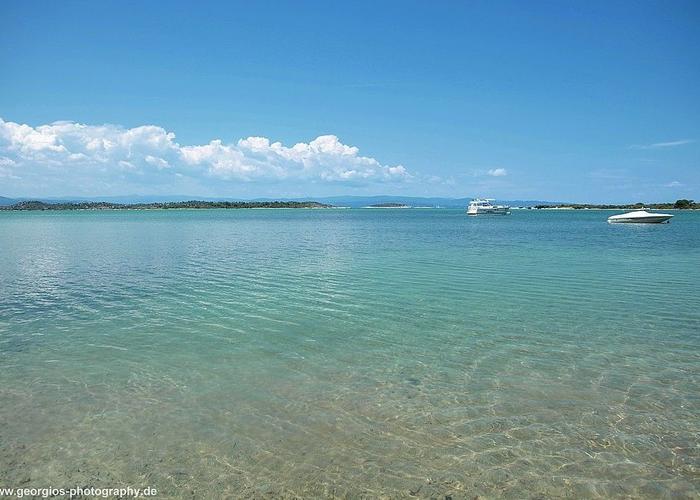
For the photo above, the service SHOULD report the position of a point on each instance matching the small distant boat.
(483, 206)
(640, 217)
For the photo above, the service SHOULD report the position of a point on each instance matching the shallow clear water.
(351, 353)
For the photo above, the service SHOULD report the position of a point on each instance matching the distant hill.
(417, 201)
(7, 201)
(413, 201)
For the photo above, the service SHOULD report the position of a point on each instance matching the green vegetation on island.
(27, 205)
(100, 205)
(389, 205)
(679, 205)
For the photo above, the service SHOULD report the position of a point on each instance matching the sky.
(564, 101)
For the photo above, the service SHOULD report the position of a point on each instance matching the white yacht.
(640, 216)
(483, 206)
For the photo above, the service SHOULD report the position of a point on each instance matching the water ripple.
(350, 353)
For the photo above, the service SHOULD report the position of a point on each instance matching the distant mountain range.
(338, 201)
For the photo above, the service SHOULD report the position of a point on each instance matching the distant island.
(389, 205)
(678, 205)
(99, 205)
(133, 203)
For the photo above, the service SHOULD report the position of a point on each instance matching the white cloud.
(661, 145)
(147, 156)
(673, 184)
(6, 165)
(157, 162)
(497, 172)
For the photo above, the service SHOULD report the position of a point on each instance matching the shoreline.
(39, 206)
(157, 209)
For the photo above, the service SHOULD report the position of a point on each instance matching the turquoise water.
(349, 353)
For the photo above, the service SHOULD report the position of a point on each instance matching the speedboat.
(640, 216)
(483, 206)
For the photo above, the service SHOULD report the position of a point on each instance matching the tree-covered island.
(678, 205)
(193, 204)
(389, 205)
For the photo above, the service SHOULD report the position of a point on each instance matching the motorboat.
(640, 217)
(484, 206)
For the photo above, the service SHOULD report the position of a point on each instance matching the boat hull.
(489, 211)
(642, 220)
(639, 217)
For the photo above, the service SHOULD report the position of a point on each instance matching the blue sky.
(576, 101)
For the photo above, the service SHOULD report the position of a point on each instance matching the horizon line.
(184, 198)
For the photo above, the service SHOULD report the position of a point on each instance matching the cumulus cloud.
(149, 155)
(497, 172)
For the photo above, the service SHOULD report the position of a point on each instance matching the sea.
(350, 353)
